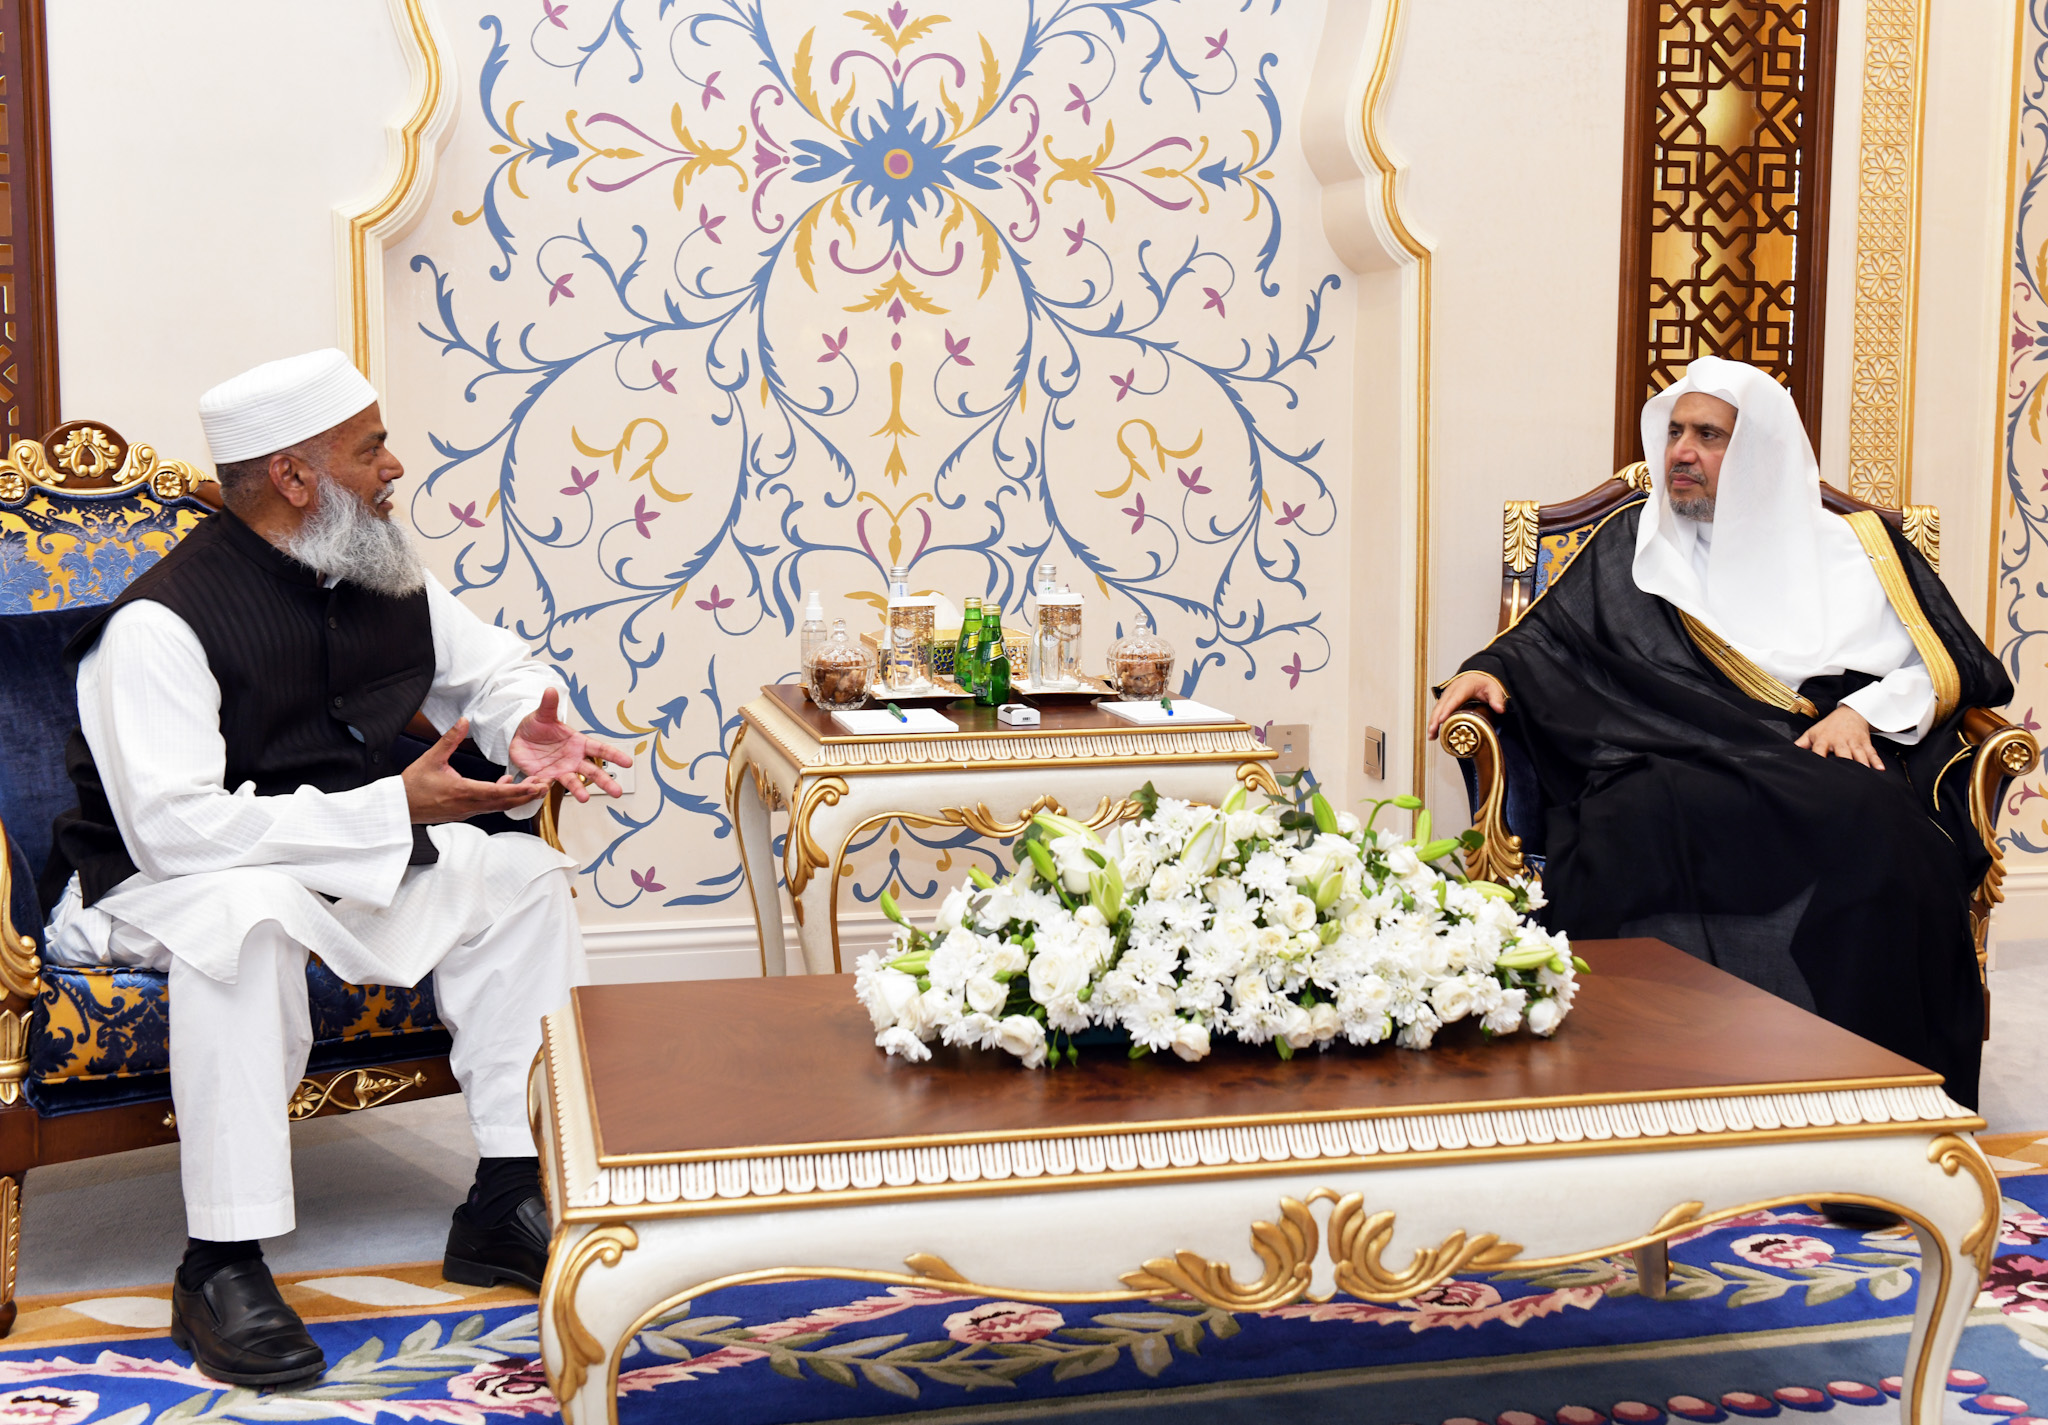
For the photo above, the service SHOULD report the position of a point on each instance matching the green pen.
(1167, 703)
(898, 713)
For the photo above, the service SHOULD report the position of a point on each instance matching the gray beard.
(1699, 507)
(343, 539)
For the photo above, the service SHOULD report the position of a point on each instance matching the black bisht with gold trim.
(1676, 805)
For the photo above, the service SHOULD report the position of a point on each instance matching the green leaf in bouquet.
(1147, 798)
(1283, 1048)
(1471, 839)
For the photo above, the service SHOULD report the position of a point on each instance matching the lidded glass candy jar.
(1141, 664)
(840, 671)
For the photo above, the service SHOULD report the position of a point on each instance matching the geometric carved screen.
(1724, 229)
(28, 313)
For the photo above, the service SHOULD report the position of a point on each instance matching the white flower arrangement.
(1294, 926)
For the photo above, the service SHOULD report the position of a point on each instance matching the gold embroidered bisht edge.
(1753, 681)
(1898, 591)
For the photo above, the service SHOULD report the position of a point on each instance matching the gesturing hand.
(1462, 690)
(549, 750)
(436, 792)
(1842, 733)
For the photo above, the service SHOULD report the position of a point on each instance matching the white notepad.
(880, 722)
(1150, 714)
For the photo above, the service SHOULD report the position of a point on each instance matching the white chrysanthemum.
(902, 1042)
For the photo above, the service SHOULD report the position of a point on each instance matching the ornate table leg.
(749, 808)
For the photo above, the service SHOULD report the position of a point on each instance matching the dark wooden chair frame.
(2001, 750)
(27, 1138)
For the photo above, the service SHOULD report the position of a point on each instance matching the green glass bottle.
(967, 651)
(992, 663)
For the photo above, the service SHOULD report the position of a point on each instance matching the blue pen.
(900, 715)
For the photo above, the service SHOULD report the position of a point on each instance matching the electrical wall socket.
(1292, 740)
(1375, 753)
(622, 775)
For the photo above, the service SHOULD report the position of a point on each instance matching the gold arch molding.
(362, 230)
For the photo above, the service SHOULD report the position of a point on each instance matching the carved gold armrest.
(1468, 735)
(21, 971)
(2003, 750)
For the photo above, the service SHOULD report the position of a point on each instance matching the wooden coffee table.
(985, 778)
(707, 1134)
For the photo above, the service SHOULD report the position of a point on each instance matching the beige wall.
(197, 152)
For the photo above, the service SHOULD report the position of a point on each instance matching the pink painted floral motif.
(2018, 1286)
(1786, 1250)
(47, 1406)
(994, 1321)
(513, 1384)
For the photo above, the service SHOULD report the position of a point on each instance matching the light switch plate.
(1375, 753)
(1291, 738)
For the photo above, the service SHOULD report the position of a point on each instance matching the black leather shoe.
(514, 1251)
(239, 1329)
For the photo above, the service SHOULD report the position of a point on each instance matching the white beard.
(343, 539)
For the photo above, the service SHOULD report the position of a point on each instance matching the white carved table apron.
(1381, 1206)
(1082, 762)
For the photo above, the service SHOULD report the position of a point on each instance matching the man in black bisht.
(1739, 705)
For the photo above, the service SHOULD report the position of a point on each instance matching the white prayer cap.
(280, 403)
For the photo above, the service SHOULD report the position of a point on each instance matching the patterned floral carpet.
(1774, 1314)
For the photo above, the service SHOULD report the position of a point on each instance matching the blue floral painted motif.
(811, 321)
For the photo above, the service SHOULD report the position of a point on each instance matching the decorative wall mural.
(2019, 598)
(720, 302)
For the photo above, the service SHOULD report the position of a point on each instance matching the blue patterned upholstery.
(38, 711)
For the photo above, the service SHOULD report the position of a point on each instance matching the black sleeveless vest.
(315, 684)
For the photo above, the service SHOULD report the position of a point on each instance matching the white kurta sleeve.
(150, 710)
(483, 673)
(1901, 704)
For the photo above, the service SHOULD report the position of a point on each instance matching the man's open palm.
(547, 749)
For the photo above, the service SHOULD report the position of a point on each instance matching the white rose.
(1269, 941)
(1089, 916)
(1006, 959)
(895, 993)
(1191, 1041)
(1347, 824)
(900, 1041)
(1297, 912)
(1168, 882)
(1023, 1036)
(1544, 1017)
(985, 995)
(1248, 988)
(1357, 920)
(1324, 1021)
(1307, 942)
(1402, 861)
(1296, 1027)
(1241, 826)
(1452, 999)
(1057, 975)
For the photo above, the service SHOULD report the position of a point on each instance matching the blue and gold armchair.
(84, 1053)
(1537, 543)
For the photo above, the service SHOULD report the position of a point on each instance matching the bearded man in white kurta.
(239, 809)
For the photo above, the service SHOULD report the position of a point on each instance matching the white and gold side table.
(985, 777)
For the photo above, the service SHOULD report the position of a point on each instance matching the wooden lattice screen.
(1724, 215)
(28, 310)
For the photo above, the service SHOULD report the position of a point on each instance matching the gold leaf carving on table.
(1950, 1153)
(606, 1243)
(1357, 1242)
(1288, 1249)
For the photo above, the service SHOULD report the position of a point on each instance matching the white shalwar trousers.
(238, 1049)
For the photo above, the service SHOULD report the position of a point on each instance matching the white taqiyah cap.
(280, 403)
